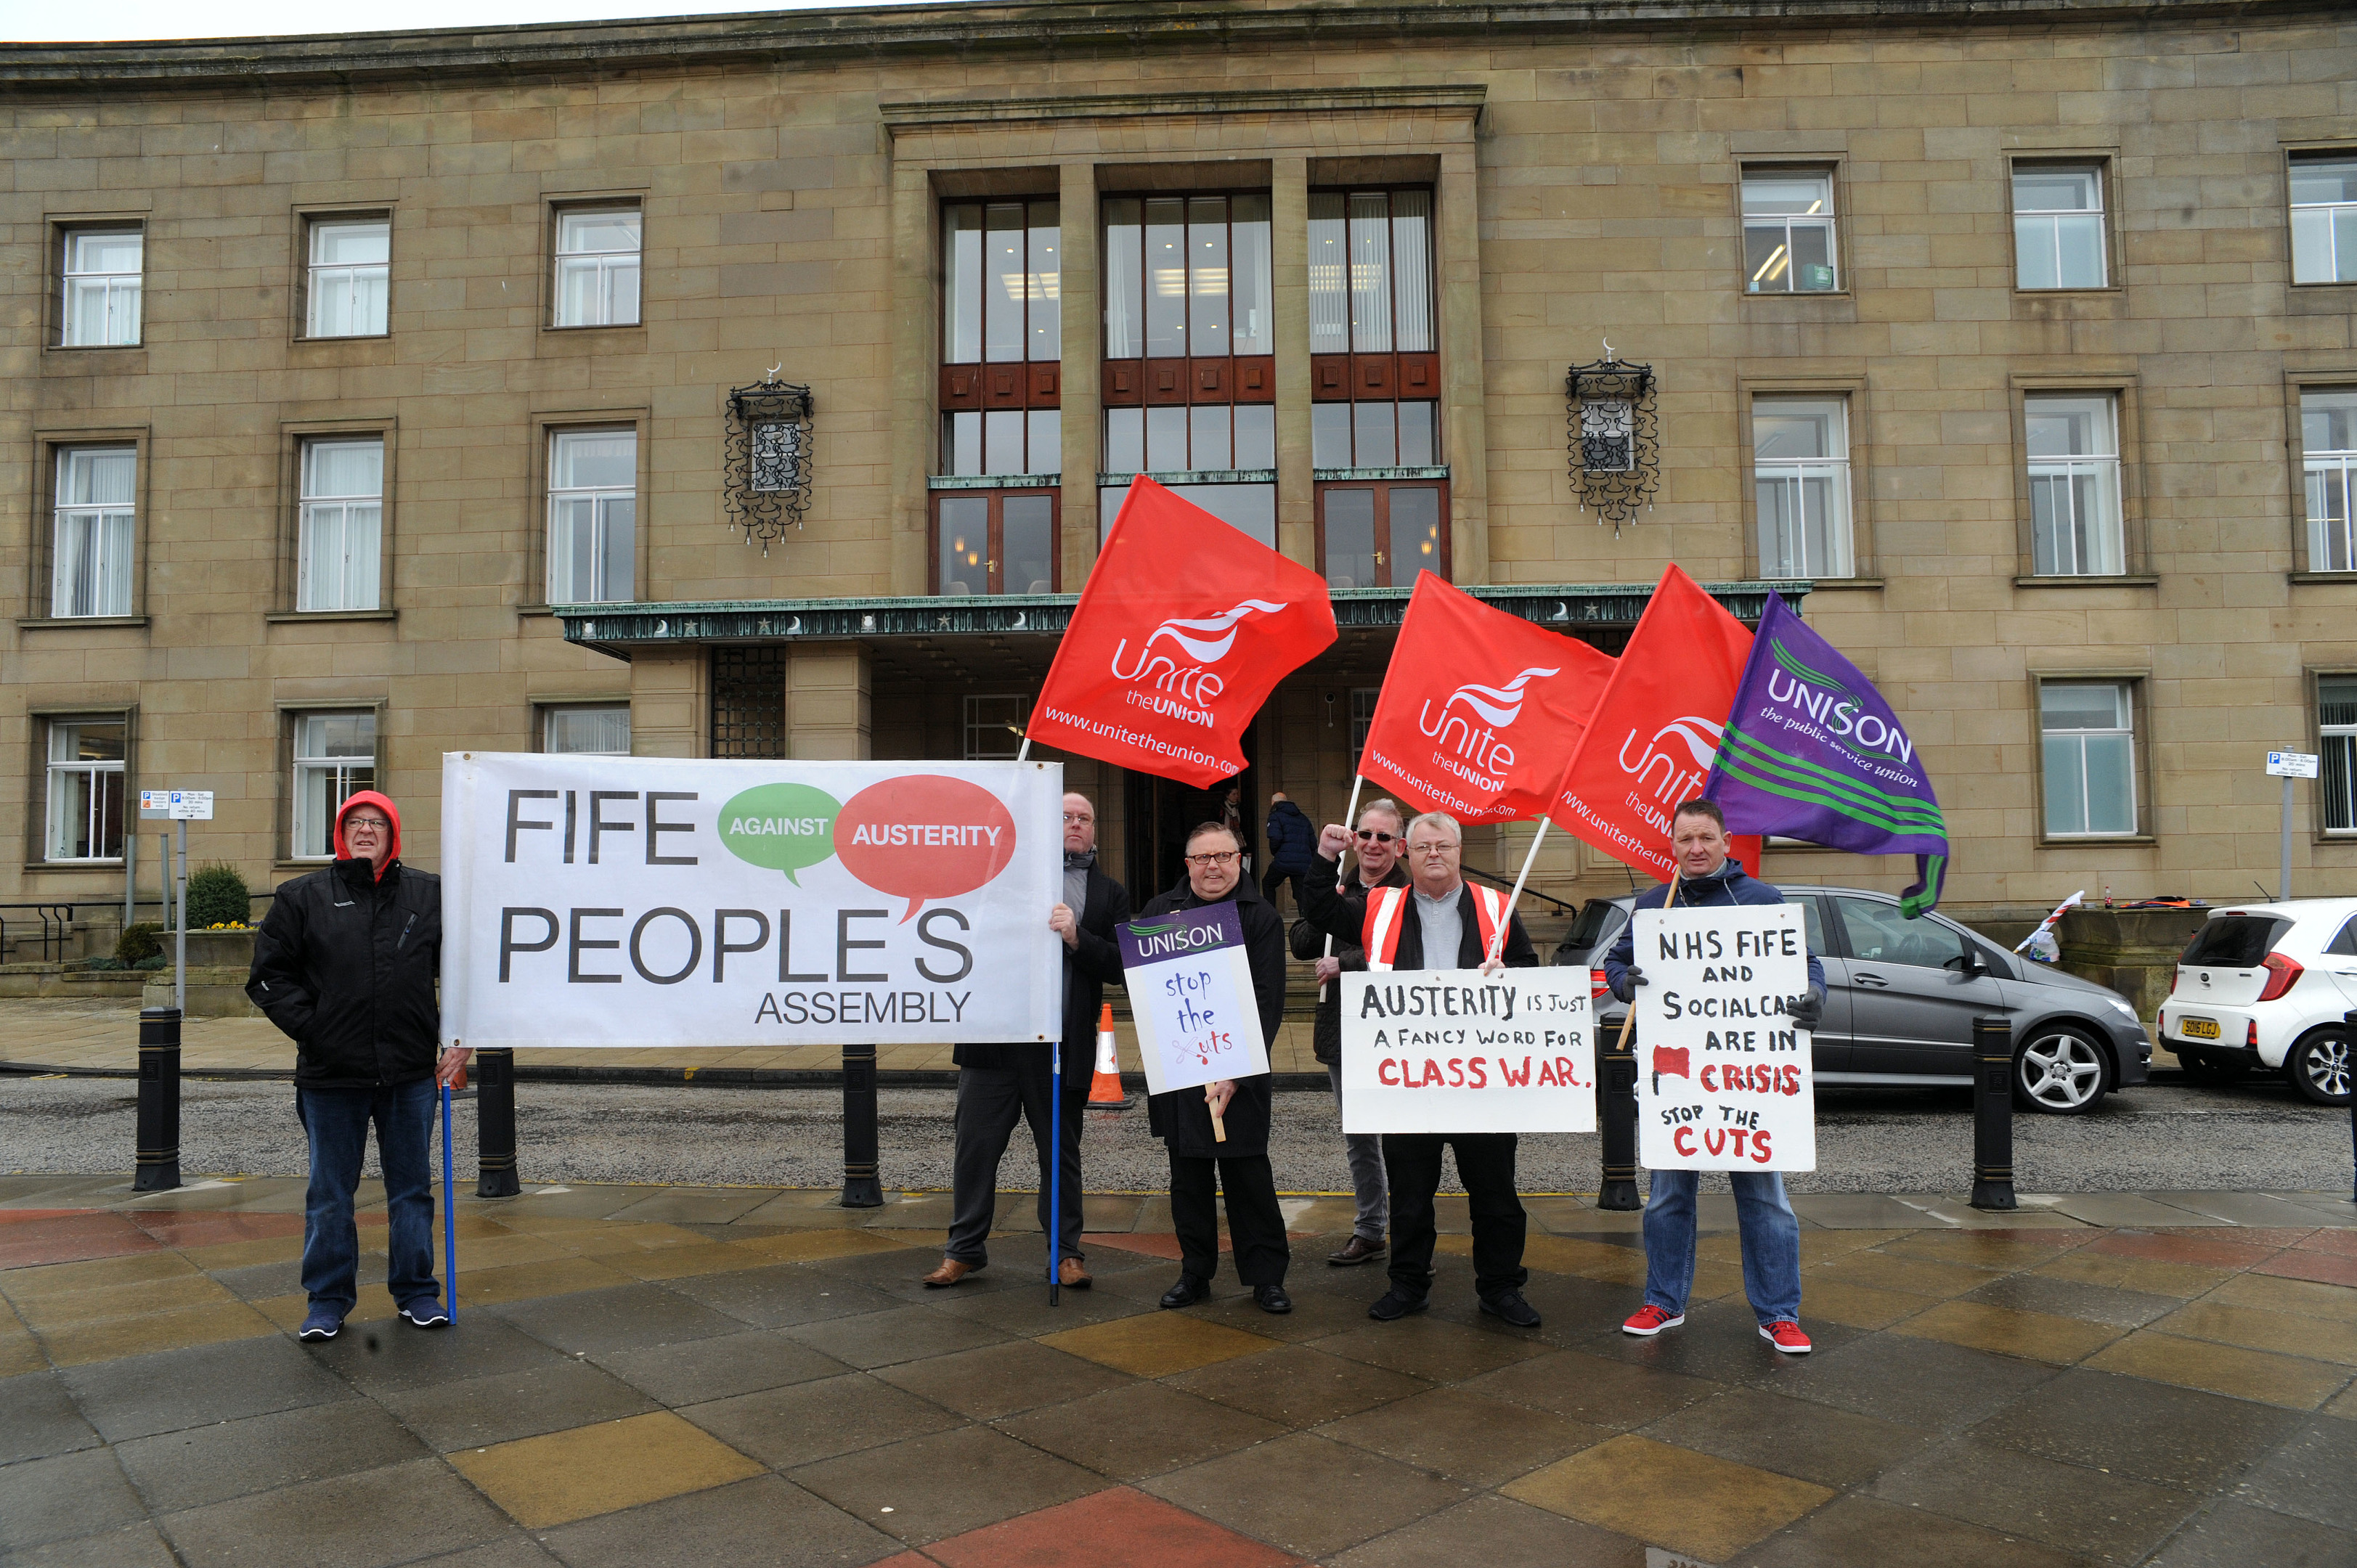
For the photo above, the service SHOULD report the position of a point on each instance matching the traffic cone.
(1105, 1089)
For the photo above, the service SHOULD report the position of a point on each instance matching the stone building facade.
(2017, 337)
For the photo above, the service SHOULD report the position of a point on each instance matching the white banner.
(633, 901)
(1190, 991)
(1454, 1051)
(1723, 1080)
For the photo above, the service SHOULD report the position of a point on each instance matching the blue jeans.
(1772, 1244)
(336, 1120)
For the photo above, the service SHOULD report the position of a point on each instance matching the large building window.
(994, 725)
(1002, 337)
(85, 789)
(593, 502)
(994, 542)
(102, 288)
(1788, 232)
(1379, 535)
(597, 264)
(335, 755)
(341, 524)
(2089, 743)
(90, 572)
(1189, 352)
(2336, 727)
(2074, 486)
(2328, 440)
(586, 729)
(349, 277)
(1800, 475)
(2058, 227)
(2324, 220)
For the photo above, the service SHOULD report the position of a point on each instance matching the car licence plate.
(2197, 1028)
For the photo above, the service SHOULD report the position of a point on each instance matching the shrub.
(217, 896)
(157, 962)
(105, 964)
(137, 944)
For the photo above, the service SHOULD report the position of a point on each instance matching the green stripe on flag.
(1862, 801)
(1794, 666)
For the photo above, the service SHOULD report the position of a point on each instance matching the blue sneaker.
(321, 1324)
(425, 1312)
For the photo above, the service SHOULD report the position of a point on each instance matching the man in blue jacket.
(1292, 848)
(1772, 1235)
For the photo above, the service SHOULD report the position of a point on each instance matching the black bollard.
(860, 1188)
(1993, 1112)
(158, 1168)
(1616, 1074)
(495, 1156)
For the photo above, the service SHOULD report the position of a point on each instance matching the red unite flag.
(1186, 626)
(1650, 741)
(1480, 709)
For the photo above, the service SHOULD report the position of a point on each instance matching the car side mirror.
(1967, 965)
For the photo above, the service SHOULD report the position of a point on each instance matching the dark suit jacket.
(1096, 962)
(1309, 942)
(1180, 1118)
(1331, 912)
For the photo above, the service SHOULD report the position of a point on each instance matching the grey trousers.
(990, 1100)
(1365, 1152)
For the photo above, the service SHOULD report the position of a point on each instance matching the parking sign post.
(2289, 766)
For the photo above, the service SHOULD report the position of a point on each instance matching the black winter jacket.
(1096, 962)
(1180, 1118)
(1292, 841)
(1346, 918)
(345, 964)
(1310, 942)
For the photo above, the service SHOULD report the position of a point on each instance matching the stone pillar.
(1288, 242)
(1083, 343)
(1464, 433)
(671, 702)
(827, 708)
(916, 359)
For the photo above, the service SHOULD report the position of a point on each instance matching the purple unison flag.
(1813, 752)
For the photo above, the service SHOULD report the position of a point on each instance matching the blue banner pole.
(450, 1214)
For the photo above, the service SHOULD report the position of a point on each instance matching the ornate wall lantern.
(769, 478)
(1615, 438)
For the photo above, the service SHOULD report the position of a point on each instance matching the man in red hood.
(346, 965)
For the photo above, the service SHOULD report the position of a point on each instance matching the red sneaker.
(1786, 1336)
(1650, 1320)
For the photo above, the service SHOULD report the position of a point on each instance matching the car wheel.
(2210, 1069)
(2319, 1068)
(2059, 1071)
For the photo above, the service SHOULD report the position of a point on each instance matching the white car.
(2265, 985)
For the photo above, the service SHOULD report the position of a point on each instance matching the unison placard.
(1191, 992)
(632, 901)
(1455, 1050)
(1723, 1080)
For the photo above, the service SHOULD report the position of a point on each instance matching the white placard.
(633, 901)
(1454, 1051)
(177, 805)
(1190, 991)
(2291, 764)
(1723, 1079)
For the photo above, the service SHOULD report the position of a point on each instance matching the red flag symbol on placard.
(1650, 743)
(1670, 1060)
(1480, 709)
(1186, 626)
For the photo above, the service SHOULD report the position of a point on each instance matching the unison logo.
(1203, 642)
(1173, 937)
(1831, 702)
(1480, 745)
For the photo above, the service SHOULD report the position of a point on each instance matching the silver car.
(1901, 996)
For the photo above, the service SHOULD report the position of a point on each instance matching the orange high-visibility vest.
(1387, 907)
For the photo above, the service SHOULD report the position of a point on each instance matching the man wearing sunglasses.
(1380, 838)
(1441, 922)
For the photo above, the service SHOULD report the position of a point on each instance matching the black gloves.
(1806, 1009)
(1631, 977)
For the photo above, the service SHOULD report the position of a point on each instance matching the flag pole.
(1498, 941)
(1350, 822)
(1621, 1037)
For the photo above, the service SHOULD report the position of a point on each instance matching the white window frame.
(989, 715)
(600, 498)
(102, 586)
(345, 775)
(604, 268)
(2329, 475)
(1792, 476)
(1362, 721)
(2331, 214)
(555, 717)
(125, 292)
(2061, 477)
(61, 771)
(2028, 222)
(331, 523)
(2047, 736)
(2336, 789)
(325, 281)
(1788, 222)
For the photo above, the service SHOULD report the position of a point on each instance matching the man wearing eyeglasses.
(1380, 838)
(1441, 922)
(1201, 1163)
(998, 1083)
(345, 964)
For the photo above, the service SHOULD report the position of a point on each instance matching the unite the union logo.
(1497, 707)
(1186, 691)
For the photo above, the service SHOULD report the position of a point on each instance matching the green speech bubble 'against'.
(785, 827)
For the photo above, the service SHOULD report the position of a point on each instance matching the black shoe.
(1271, 1298)
(1187, 1292)
(1510, 1306)
(1356, 1250)
(1396, 1305)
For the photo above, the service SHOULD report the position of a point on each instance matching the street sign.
(177, 805)
(2291, 764)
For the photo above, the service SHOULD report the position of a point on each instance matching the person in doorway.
(345, 964)
(1380, 838)
(1292, 848)
(1707, 879)
(1438, 922)
(1182, 1118)
(998, 1083)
